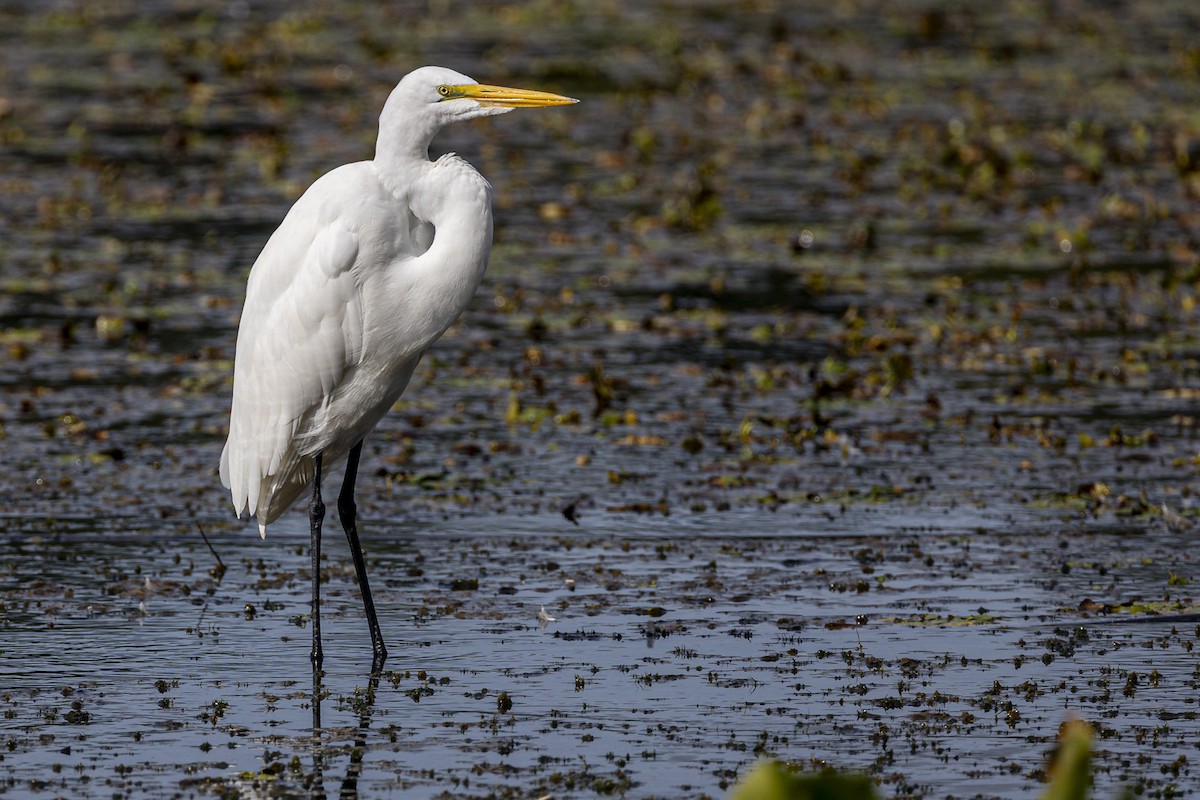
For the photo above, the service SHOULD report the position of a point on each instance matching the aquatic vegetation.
(832, 390)
(771, 781)
(1069, 776)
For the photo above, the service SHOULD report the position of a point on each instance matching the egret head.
(429, 98)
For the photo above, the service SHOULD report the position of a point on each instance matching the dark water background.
(861, 340)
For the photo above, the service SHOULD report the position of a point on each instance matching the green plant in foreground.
(771, 780)
(1070, 773)
(1070, 776)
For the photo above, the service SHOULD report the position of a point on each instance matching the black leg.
(347, 511)
(316, 513)
(318, 690)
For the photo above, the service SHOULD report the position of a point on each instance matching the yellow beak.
(504, 96)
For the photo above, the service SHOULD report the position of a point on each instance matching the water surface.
(833, 387)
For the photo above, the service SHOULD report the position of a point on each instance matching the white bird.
(370, 266)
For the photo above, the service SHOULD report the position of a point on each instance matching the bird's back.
(302, 329)
(345, 297)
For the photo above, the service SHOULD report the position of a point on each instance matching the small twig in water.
(219, 570)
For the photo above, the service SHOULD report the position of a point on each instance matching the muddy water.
(861, 344)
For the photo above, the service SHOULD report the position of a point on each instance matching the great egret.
(370, 266)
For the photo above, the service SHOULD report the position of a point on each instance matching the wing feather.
(301, 330)
(347, 294)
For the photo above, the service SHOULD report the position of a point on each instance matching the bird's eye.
(444, 91)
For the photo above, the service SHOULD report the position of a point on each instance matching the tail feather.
(265, 497)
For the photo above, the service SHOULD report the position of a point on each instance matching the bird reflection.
(364, 705)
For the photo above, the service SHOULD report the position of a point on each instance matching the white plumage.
(367, 270)
(339, 308)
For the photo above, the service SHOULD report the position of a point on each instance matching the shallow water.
(862, 344)
(670, 664)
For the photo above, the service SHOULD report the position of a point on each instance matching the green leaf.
(771, 780)
(1070, 777)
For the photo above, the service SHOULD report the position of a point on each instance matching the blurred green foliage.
(1070, 776)
(771, 780)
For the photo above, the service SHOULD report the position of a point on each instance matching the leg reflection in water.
(363, 704)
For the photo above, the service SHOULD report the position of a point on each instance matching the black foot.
(378, 659)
